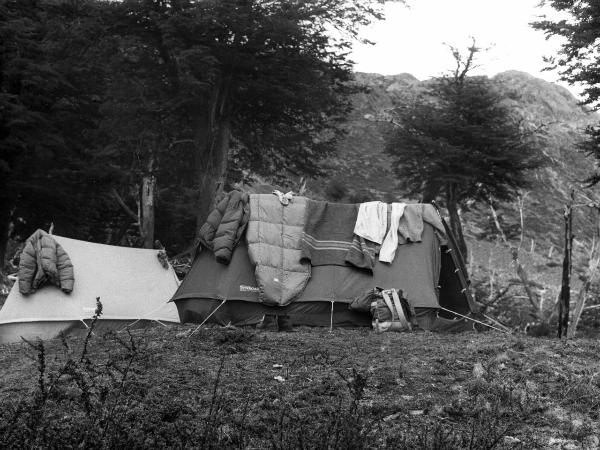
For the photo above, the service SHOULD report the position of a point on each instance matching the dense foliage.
(578, 59)
(119, 115)
(457, 141)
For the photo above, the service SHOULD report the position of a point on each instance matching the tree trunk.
(213, 139)
(4, 226)
(565, 291)
(455, 223)
(147, 211)
(4, 222)
(147, 203)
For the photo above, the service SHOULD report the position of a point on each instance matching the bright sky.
(412, 39)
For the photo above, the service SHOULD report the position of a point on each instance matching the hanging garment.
(371, 222)
(43, 259)
(286, 198)
(328, 232)
(390, 243)
(225, 225)
(362, 253)
(274, 234)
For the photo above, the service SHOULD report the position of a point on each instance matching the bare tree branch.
(123, 205)
(521, 273)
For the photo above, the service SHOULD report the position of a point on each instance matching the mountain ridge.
(361, 170)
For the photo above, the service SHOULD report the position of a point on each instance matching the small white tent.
(132, 285)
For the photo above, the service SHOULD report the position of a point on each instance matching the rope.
(207, 317)
(476, 321)
(497, 323)
(144, 318)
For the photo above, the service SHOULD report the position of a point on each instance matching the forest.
(123, 121)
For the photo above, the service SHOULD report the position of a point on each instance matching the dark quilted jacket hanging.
(225, 225)
(44, 260)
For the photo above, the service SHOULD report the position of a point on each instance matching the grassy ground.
(306, 389)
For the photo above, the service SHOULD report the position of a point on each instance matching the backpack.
(392, 312)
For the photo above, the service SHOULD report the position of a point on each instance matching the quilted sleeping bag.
(273, 235)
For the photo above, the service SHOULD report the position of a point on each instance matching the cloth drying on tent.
(43, 259)
(274, 235)
(406, 225)
(225, 225)
(371, 222)
(286, 198)
(390, 242)
(362, 253)
(411, 223)
(328, 232)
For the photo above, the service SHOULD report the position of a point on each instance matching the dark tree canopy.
(97, 98)
(457, 141)
(460, 134)
(578, 59)
(50, 91)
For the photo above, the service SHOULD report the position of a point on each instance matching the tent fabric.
(428, 272)
(243, 313)
(319, 314)
(415, 270)
(131, 283)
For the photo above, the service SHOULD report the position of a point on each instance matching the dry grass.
(312, 388)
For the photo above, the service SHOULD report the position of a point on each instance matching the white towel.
(371, 222)
(390, 243)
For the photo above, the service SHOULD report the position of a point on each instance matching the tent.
(132, 285)
(430, 274)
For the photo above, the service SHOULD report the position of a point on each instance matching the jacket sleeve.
(245, 218)
(65, 269)
(27, 269)
(226, 235)
(208, 230)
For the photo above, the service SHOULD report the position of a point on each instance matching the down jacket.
(274, 235)
(225, 226)
(43, 259)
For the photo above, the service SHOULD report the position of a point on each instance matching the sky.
(415, 39)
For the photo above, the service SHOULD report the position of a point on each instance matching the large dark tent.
(430, 274)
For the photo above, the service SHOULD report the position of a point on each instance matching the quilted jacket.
(274, 235)
(43, 259)
(225, 225)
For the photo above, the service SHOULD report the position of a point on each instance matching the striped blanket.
(328, 232)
